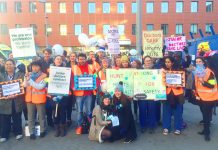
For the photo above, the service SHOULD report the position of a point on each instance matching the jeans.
(83, 104)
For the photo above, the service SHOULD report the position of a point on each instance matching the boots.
(62, 130)
(57, 130)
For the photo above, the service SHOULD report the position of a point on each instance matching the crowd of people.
(95, 107)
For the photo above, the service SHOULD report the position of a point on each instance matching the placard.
(22, 43)
(175, 43)
(59, 80)
(113, 41)
(85, 82)
(174, 78)
(10, 88)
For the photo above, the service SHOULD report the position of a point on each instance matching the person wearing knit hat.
(119, 87)
(125, 62)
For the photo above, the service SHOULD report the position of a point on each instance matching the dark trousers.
(135, 104)
(70, 102)
(61, 112)
(93, 102)
(206, 110)
(49, 116)
(1, 124)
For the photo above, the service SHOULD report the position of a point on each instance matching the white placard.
(59, 80)
(11, 89)
(114, 120)
(22, 42)
(113, 41)
(173, 78)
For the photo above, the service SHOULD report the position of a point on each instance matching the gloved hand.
(56, 99)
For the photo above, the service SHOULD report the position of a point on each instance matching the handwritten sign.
(22, 43)
(153, 43)
(59, 80)
(113, 41)
(9, 88)
(175, 43)
(85, 82)
(174, 78)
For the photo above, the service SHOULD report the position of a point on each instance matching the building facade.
(61, 21)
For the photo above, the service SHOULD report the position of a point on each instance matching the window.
(77, 7)
(120, 8)
(106, 27)
(92, 29)
(3, 29)
(149, 7)
(48, 7)
(207, 29)
(179, 29)
(62, 7)
(17, 7)
(165, 29)
(18, 26)
(209, 6)
(150, 27)
(194, 7)
(134, 8)
(133, 29)
(77, 29)
(164, 7)
(63, 29)
(194, 28)
(3, 7)
(179, 7)
(32, 7)
(48, 29)
(34, 28)
(106, 8)
(92, 8)
(121, 29)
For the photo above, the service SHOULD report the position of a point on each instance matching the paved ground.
(188, 140)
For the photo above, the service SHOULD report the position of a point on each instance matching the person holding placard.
(35, 98)
(174, 103)
(11, 107)
(206, 91)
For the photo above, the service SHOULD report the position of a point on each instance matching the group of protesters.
(94, 107)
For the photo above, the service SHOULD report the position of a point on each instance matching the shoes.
(165, 131)
(2, 140)
(62, 130)
(207, 138)
(42, 134)
(32, 137)
(127, 140)
(18, 137)
(69, 123)
(57, 130)
(201, 132)
(177, 132)
(79, 130)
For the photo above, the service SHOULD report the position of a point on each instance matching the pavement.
(188, 140)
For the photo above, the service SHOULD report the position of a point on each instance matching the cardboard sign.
(113, 41)
(153, 43)
(9, 88)
(59, 80)
(148, 85)
(175, 43)
(22, 43)
(174, 78)
(85, 82)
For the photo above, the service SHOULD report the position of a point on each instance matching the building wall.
(84, 18)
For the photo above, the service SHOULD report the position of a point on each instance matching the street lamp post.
(139, 27)
(46, 22)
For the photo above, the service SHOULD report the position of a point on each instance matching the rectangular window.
(3, 29)
(17, 7)
(165, 29)
(106, 8)
(48, 29)
(18, 26)
(77, 7)
(3, 7)
(34, 26)
(134, 7)
(207, 28)
(150, 27)
(48, 7)
(194, 7)
(194, 28)
(120, 8)
(77, 29)
(32, 6)
(209, 6)
(179, 7)
(92, 29)
(179, 29)
(63, 29)
(164, 7)
(121, 29)
(149, 7)
(62, 7)
(133, 29)
(92, 8)
(106, 27)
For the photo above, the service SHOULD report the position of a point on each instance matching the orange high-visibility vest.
(102, 76)
(36, 96)
(205, 93)
(176, 90)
